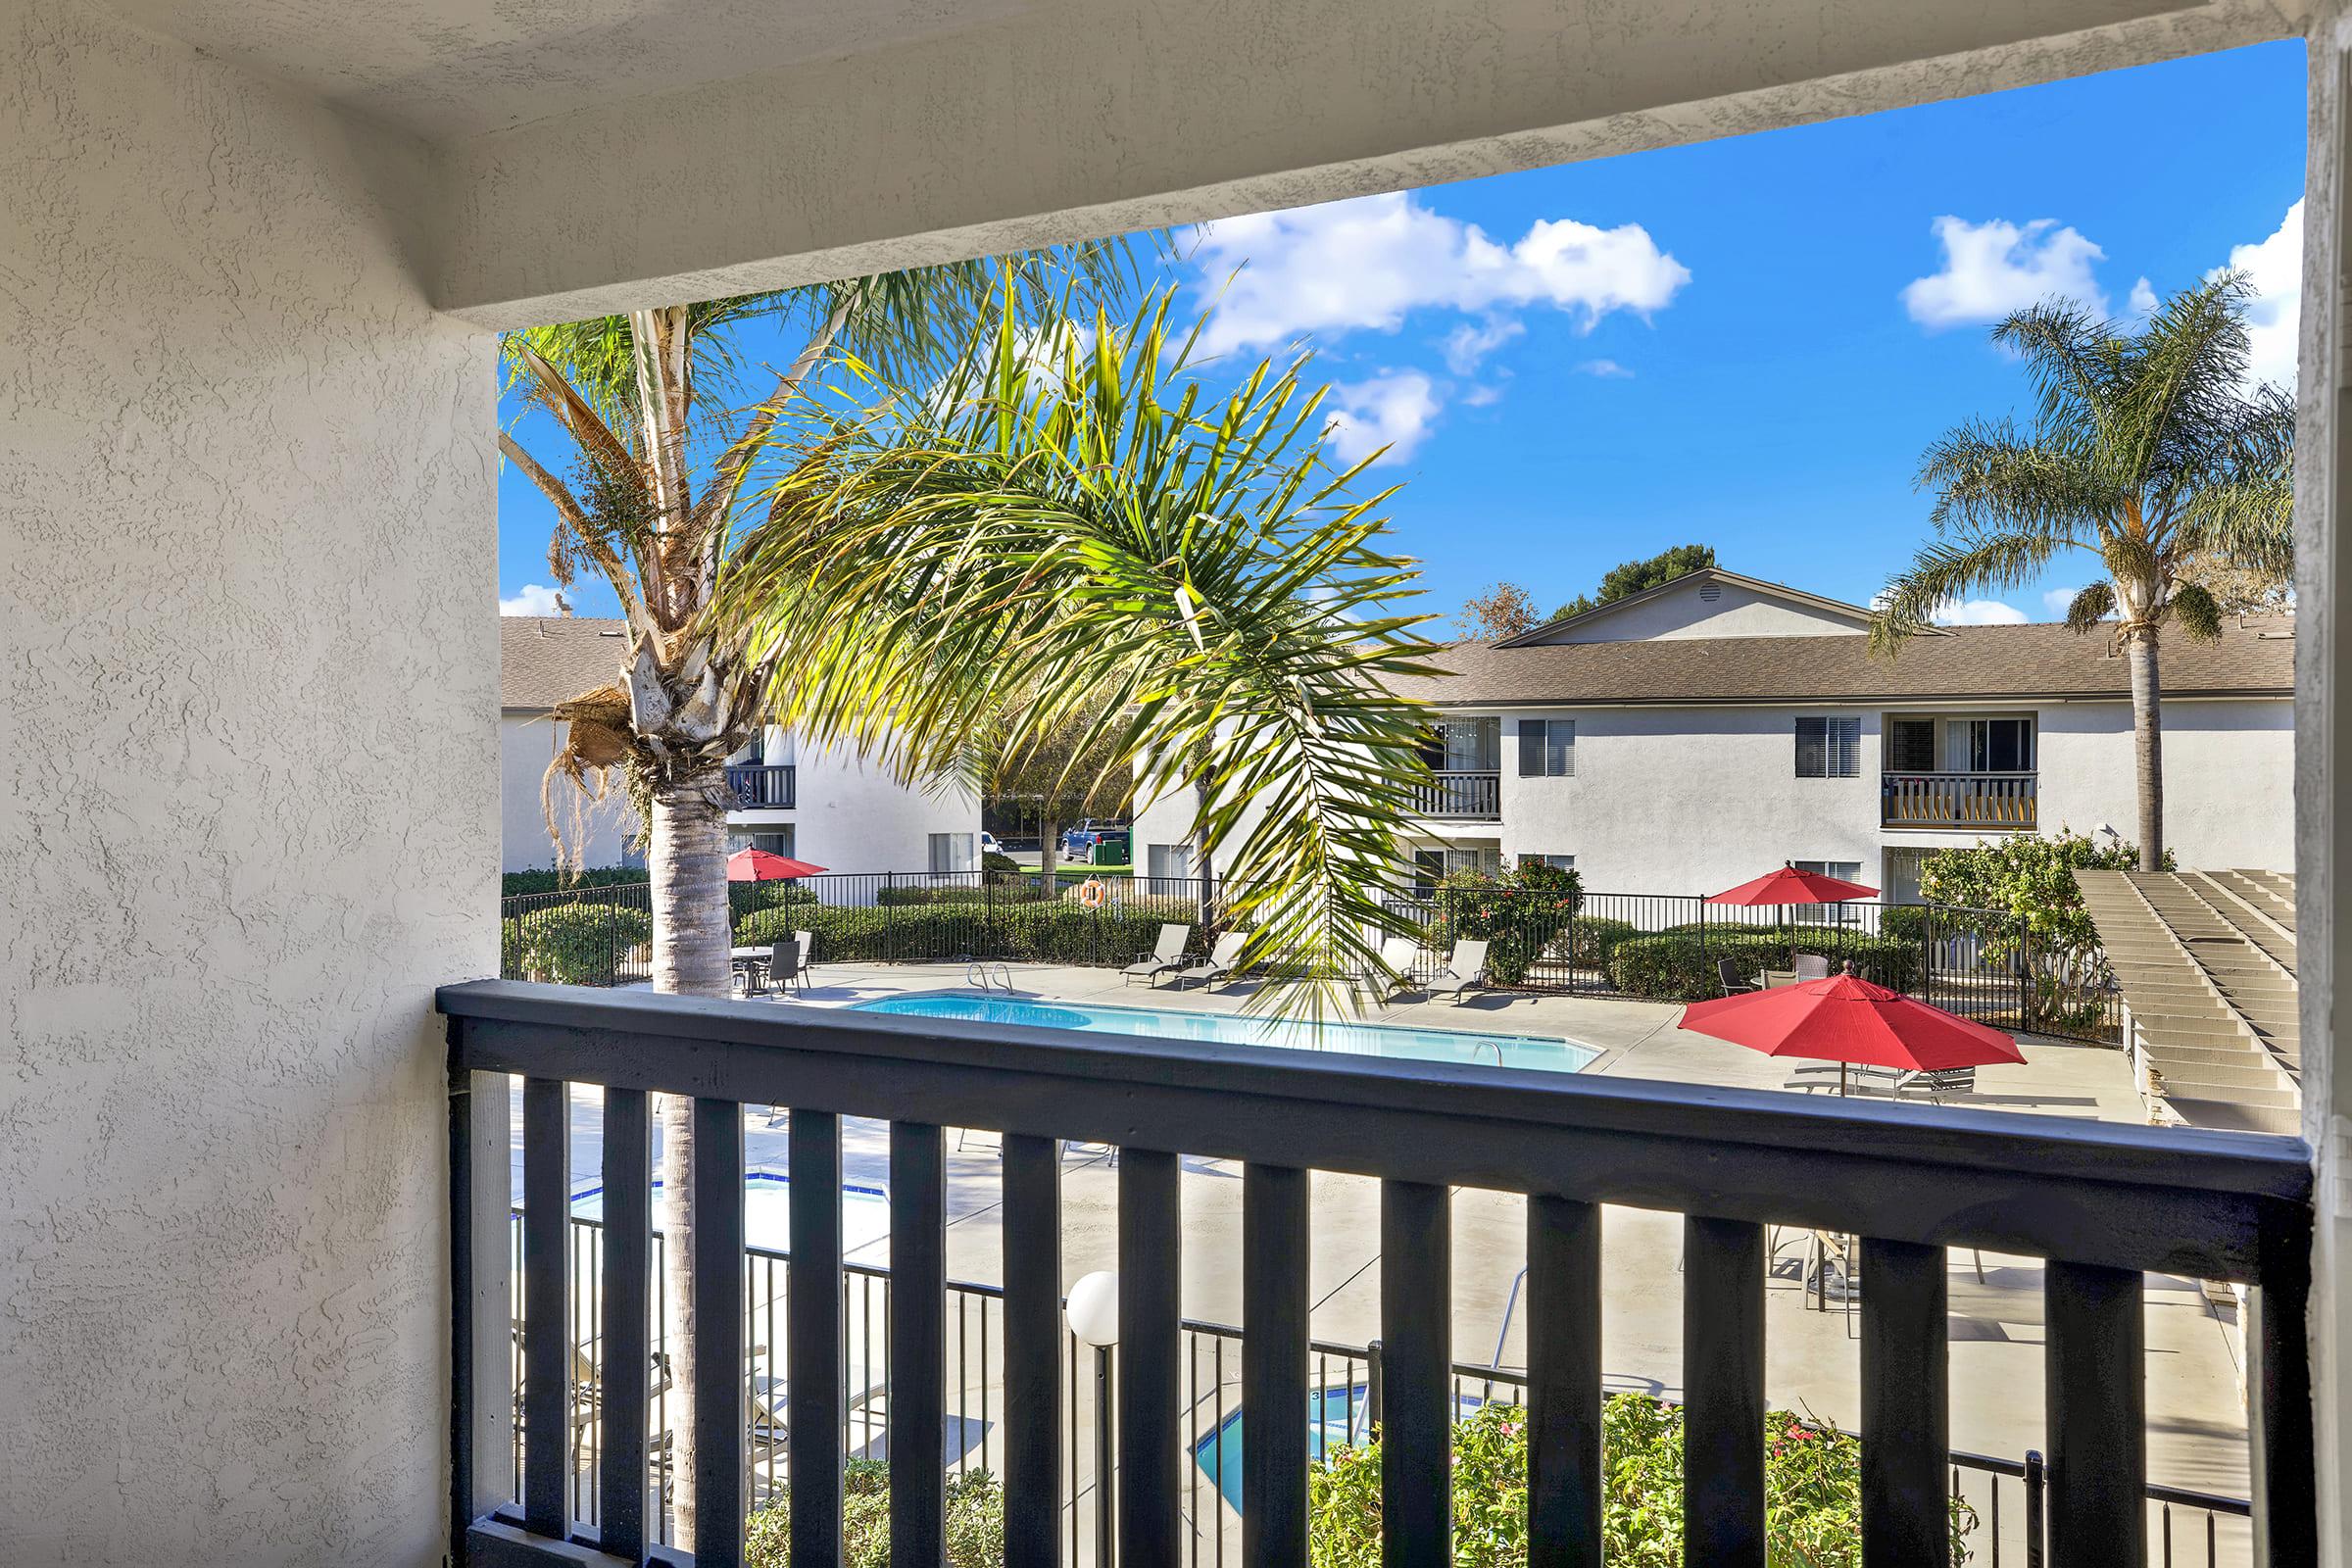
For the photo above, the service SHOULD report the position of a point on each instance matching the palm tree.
(663, 459)
(2145, 452)
(1089, 531)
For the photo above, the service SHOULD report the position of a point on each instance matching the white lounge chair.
(1165, 957)
(1466, 970)
(1221, 960)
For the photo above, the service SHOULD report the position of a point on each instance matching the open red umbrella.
(760, 865)
(1847, 1019)
(1789, 886)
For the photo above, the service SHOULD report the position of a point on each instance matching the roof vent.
(1708, 592)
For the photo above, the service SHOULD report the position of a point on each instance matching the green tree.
(1068, 766)
(1629, 577)
(2145, 452)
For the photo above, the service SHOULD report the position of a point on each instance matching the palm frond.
(2087, 608)
(1988, 476)
(1949, 569)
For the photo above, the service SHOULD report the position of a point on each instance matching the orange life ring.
(1090, 893)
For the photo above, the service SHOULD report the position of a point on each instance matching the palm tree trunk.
(1048, 853)
(688, 864)
(2147, 744)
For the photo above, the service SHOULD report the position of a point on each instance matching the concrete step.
(2225, 1081)
(2228, 1116)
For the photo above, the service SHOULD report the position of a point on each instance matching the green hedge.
(1680, 967)
(573, 944)
(1017, 933)
(975, 1533)
(515, 884)
(1593, 938)
(999, 893)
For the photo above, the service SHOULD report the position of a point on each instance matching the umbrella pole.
(1841, 1080)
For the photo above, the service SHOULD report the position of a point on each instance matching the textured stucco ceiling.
(446, 68)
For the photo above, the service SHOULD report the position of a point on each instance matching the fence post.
(1372, 1390)
(2037, 1482)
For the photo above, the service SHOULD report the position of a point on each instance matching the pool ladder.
(982, 978)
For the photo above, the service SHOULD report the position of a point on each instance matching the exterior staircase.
(2206, 961)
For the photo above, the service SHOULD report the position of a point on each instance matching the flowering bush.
(2031, 880)
(1812, 1493)
(1518, 914)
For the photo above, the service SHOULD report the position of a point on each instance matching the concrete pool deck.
(2196, 1436)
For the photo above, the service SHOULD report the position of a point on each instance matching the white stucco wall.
(1734, 611)
(251, 755)
(603, 830)
(850, 814)
(2229, 778)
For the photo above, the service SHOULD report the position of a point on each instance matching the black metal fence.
(1980, 964)
(2009, 1497)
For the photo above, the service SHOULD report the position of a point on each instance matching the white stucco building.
(820, 803)
(1686, 739)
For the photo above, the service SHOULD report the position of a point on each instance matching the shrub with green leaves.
(1016, 932)
(516, 884)
(1591, 938)
(2031, 880)
(571, 943)
(1812, 1493)
(975, 1521)
(1519, 914)
(1680, 965)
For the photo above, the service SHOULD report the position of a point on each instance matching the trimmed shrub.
(1026, 932)
(1680, 965)
(1904, 922)
(516, 884)
(1812, 1493)
(1591, 938)
(975, 1521)
(571, 943)
(1519, 914)
(749, 897)
(996, 860)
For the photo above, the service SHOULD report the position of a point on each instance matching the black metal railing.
(2101, 1204)
(1476, 796)
(762, 788)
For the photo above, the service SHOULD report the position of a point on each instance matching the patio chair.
(784, 963)
(1393, 970)
(807, 942)
(1465, 969)
(1221, 960)
(1165, 957)
(1812, 966)
(759, 971)
(1728, 975)
(1941, 1082)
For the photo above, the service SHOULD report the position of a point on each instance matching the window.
(1431, 866)
(1829, 747)
(1842, 870)
(1464, 746)
(1547, 747)
(1911, 745)
(1167, 865)
(951, 852)
(775, 841)
(1559, 862)
(1991, 744)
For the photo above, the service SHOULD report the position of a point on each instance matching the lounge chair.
(1812, 966)
(807, 942)
(1393, 970)
(1165, 957)
(1221, 960)
(1941, 1082)
(1728, 975)
(1467, 968)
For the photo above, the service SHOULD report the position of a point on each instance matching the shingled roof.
(2255, 658)
(546, 659)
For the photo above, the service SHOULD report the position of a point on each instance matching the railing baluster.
(545, 1282)
(719, 1328)
(918, 1337)
(1150, 1318)
(1723, 1383)
(1274, 1350)
(2285, 1482)
(627, 1354)
(2097, 1413)
(1033, 1334)
(1563, 1383)
(1416, 1334)
(812, 1310)
(1906, 1517)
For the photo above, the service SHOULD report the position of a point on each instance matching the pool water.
(1392, 1041)
(1334, 1418)
(768, 1214)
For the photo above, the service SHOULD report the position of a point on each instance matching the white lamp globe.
(1094, 1309)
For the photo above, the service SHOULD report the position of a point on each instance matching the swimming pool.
(1334, 1418)
(1393, 1042)
(768, 1214)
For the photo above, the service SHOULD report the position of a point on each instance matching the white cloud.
(1994, 268)
(534, 599)
(2274, 267)
(1979, 612)
(2054, 602)
(1369, 262)
(2144, 299)
(1390, 410)
(1472, 341)
(1607, 370)
(1477, 396)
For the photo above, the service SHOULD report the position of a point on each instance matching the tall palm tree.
(1088, 530)
(664, 455)
(2145, 452)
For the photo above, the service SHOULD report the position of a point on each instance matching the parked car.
(989, 844)
(1078, 843)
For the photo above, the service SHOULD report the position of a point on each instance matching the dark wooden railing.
(767, 788)
(1474, 796)
(2103, 1203)
(1958, 799)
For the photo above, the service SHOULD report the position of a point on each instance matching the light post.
(1093, 1313)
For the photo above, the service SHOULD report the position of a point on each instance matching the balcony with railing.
(1474, 796)
(761, 789)
(1971, 801)
(2100, 1204)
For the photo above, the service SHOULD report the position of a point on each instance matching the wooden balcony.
(2001, 802)
(2101, 1203)
(1469, 797)
(761, 789)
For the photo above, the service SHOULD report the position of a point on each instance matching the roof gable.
(1708, 603)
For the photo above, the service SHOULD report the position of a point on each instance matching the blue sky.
(1745, 343)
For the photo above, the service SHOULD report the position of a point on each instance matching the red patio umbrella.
(760, 865)
(1787, 886)
(1847, 1019)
